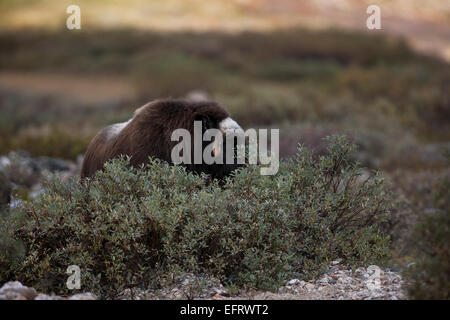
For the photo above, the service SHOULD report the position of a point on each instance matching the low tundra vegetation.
(328, 78)
(134, 226)
(429, 277)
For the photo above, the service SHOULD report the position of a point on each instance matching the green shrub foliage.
(133, 226)
(429, 278)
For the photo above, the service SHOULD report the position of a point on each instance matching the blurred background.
(310, 68)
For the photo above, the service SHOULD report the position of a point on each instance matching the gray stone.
(14, 290)
(293, 282)
(84, 296)
(309, 286)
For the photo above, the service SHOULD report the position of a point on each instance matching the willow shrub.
(132, 226)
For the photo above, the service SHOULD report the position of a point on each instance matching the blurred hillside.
(426, 26)
(310, 67)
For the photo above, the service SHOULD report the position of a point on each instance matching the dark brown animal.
(148, 134)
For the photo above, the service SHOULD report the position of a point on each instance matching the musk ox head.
(149, 134)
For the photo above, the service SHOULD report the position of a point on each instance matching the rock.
(21, 169)
(42, 296)
(84, 296)
(14, 290)
(185, 286)
(342, 280)
(340, 283)
(52, 164)
(337, 284)
(293, 282)
(25, 171)
(309, 286)
(4, 162)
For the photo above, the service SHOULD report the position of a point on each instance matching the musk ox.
(148, 134)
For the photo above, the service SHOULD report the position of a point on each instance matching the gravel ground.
(339, 283)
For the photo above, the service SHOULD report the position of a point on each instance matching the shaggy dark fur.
(148, 134)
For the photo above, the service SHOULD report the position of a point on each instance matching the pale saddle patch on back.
(138, 110)
(114, 129)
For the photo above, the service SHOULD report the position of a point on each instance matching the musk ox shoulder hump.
(114, 129)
